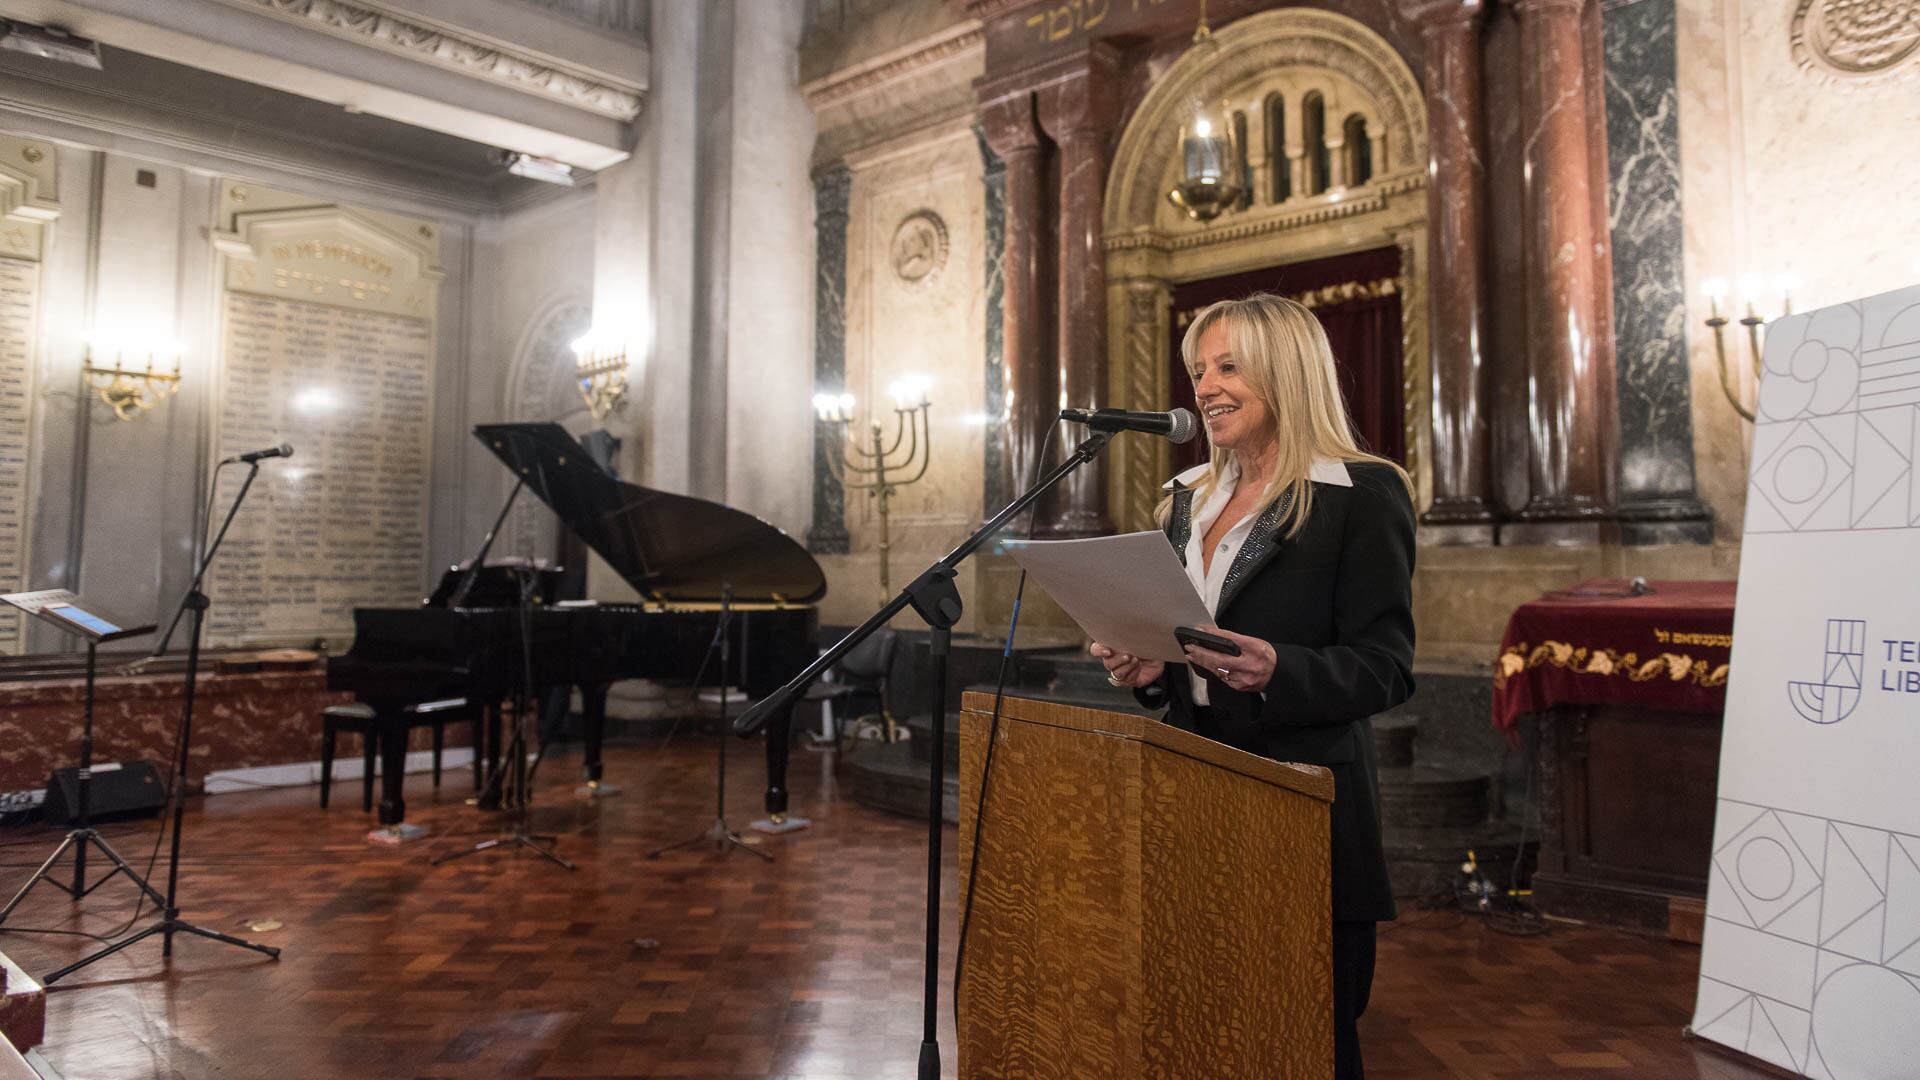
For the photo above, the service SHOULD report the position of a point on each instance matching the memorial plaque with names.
(19, 309)
(342, 523)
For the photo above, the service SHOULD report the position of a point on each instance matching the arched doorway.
(1303, 82)
(1356, 297)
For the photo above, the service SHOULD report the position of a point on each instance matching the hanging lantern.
(1212, 168)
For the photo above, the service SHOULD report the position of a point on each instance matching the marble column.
(1462, 511)
(1013, 134)
(832, 188)
(1658, 502)
(1569, 374)
(993, 179)
(1076, 109)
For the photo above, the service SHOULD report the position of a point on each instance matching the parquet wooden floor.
(809, 968)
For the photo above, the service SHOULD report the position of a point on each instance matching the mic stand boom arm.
(763, 711)
(933, 596)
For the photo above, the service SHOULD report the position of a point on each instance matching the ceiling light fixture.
(49, 42)
(543, 169)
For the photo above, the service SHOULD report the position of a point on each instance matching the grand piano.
(680, 554)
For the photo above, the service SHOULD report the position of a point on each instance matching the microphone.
(283, 450)
(1178, 426)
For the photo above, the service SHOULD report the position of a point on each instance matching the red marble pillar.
(1076, 108)
(1027, 374)
(1569, 370)
(1462, 510)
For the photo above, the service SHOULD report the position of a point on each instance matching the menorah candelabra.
(600, 364)
(1751, 288)
(877, 468)
(130, 392)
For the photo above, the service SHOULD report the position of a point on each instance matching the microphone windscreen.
(1185, 426)
(286, 449)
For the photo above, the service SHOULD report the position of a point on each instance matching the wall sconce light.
(131, 392)
(601, 364)
(1752, 286)
(1212, 170)
(878, 462)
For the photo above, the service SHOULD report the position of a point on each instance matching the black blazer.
(1336, 603)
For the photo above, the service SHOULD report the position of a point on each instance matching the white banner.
(1812, 952)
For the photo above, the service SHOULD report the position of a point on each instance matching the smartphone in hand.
(1187, 635)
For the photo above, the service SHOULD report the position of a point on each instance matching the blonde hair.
(1283, 356)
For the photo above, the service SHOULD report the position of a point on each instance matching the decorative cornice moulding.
(377, 27)
(872, 74)
(1377, 195)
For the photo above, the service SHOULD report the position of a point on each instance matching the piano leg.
(390, 729)
(779, 733)
(593, 726)
(593, 729)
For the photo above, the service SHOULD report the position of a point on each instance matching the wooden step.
(1393, 740)
(23, 1007)
(1425, 796)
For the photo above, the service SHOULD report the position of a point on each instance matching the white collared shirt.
(1209, 579)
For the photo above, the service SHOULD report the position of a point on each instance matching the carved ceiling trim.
(1251, 49)
(869, 75)
(1857, 42)
(377, 27)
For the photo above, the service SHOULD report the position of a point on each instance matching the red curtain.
(1364, 332)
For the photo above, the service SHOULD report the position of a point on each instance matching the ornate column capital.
(1443, 16)
(1079, 96)
(1008, 124)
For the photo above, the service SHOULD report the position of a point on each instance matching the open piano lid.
(670, 548)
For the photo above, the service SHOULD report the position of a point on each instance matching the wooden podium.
(1152, 905)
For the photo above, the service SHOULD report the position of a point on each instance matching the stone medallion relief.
(919, 248)
(1857, 41)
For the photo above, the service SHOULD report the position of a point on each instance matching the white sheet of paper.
(1127, 591)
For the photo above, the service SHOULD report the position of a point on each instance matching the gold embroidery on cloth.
(1676, 667)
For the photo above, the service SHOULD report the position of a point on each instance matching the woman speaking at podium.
(1301, 544)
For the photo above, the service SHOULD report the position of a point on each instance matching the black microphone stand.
(934, 598)
(170, 921)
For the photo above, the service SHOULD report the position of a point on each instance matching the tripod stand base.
(78, 840)
(395, 835)
(168, 926)
(780, 825)
(723, 839)
(539, 845)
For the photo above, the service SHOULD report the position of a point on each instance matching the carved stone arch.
(541, 386)
(1151, 249)
(1248, 49)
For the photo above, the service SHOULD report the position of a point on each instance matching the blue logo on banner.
(1833, 698)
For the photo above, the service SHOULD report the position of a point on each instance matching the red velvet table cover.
(1591, 645)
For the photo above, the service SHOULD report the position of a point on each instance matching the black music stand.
(720, 834)
(170, 922)
(515, 787)
(62, 609)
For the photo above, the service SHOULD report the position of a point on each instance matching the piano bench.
(361, 719)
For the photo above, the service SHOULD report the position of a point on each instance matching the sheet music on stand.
(62, 609)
